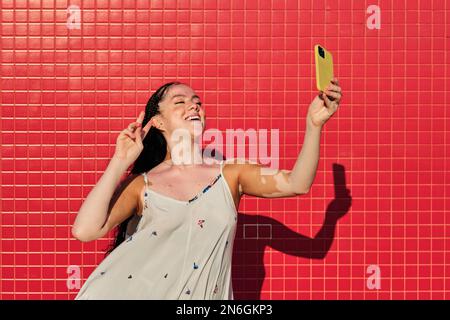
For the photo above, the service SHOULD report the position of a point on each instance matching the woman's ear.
(157, 123)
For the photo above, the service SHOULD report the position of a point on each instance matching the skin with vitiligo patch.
(282, 183)
(262, 181)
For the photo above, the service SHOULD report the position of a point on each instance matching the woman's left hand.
(325, 104)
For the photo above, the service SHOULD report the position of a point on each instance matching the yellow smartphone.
(324, 67)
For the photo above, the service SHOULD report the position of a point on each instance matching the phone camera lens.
(321, 52)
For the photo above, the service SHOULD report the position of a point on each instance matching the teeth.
(193, 118)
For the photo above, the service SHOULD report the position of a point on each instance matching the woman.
(181, 247)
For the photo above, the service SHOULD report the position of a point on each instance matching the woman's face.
(181, 109)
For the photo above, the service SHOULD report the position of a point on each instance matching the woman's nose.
(195, 106)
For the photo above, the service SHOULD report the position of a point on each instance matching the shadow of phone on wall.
(262, 231)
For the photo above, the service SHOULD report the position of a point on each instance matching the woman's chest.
(182, 186)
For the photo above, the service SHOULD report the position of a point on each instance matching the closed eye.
(199, 103)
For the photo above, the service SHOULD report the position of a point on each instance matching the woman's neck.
(189, 159)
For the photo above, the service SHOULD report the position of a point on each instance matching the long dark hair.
(154, 152)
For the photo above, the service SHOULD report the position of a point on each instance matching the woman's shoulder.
(239, 160)
(235, 164)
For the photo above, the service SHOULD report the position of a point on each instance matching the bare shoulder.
(231, 170)
(235, 165)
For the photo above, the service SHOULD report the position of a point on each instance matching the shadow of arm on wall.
(288, 241)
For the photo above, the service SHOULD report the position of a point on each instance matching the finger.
(147, 128)
(333, 87)
(126, 135)
(129, 133)
(333, 94)
(327, 101)
(332, 107)
(320, 95)
(335, 81)
(132, 126)
(140, 118)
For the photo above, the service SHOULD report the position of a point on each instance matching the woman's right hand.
(129, 142)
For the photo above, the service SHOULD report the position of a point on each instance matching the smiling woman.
(184, 214)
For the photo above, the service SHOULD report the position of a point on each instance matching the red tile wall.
(66, 93)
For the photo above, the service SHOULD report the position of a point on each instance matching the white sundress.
(180, 250)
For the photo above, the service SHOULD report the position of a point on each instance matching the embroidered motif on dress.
(200, 222)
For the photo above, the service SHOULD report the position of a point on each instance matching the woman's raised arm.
(100, 212)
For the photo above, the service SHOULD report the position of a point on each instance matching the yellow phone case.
(324, 67)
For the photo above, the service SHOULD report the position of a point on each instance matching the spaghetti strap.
(145, 190)
(145, 179)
